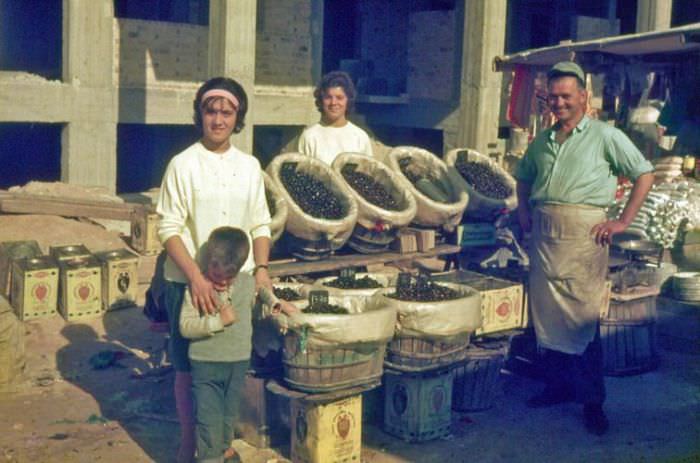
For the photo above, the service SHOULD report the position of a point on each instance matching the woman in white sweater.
(334, 134)
(208, 185)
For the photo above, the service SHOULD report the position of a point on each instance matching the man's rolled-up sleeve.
(624, 157)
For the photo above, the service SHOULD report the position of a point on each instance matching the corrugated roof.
(675, 40)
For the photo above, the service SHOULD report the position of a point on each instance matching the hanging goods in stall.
(327, 352)
(490, 187)
(434, 325)
(277, 206)
(384, 205)
(322, 211)
(440, 197)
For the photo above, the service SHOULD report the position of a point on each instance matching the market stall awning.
(676, 40)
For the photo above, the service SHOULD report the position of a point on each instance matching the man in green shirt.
(565, 179)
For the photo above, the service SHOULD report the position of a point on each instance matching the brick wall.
(283, 43)
(431, 54)
(148, 53)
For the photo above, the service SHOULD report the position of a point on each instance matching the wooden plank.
(354, 260)
(68, 207)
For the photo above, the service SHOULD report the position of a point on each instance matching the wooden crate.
(425, 239)
(502, 301)
(264, 416)
(9, 251)
(69, 252)
(144, 232)
(405, 242)
(328, 432)
(418, 406)
(80, 293)
(119, 278)
(34, 287)
(628, 333)
(477, 378)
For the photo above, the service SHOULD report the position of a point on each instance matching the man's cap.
(566, 68)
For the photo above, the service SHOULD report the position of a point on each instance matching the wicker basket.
(328, 368)
(412, 354)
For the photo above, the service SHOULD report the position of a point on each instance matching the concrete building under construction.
(99, 92)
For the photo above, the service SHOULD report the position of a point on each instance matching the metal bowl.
(640, 247)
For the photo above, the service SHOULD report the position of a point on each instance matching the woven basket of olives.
(440, 196)
(335, 343)
(490, 187)
(277, 206)
(351, 284)
(321, 206)
(384, 205)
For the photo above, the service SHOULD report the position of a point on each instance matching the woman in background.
(334, 133)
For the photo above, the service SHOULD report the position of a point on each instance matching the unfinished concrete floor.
(69, 412)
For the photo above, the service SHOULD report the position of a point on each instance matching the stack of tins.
(417, 406)
(478, 378)
(628, 332)
(119, 278)
(34, 287)
(9, 252)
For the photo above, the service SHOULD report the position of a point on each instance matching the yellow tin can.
(80, 288)
(10, 251)
(119, 278)
(34, 287)
(144, 233)
(69, 252)
(329, 432)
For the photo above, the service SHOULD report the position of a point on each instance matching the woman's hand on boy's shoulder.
(203, 295)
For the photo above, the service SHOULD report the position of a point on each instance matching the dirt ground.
(69, 412)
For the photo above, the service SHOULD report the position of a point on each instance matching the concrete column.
(88, 142)
(653, 15)
(232, 34)
(88, 154)
(480, 89)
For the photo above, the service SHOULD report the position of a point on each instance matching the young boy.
(220, 344)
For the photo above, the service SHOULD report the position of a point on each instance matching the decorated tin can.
(80, 288)
(69, 252)
(119, 278)
(10, 251)
(34, 287)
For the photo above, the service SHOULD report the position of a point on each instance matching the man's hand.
(203, 295)
(227, 314)
(603, 232)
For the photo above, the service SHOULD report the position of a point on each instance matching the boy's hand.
(227, 314)
(286, 307)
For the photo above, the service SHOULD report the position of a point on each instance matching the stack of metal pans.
(686, 286)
